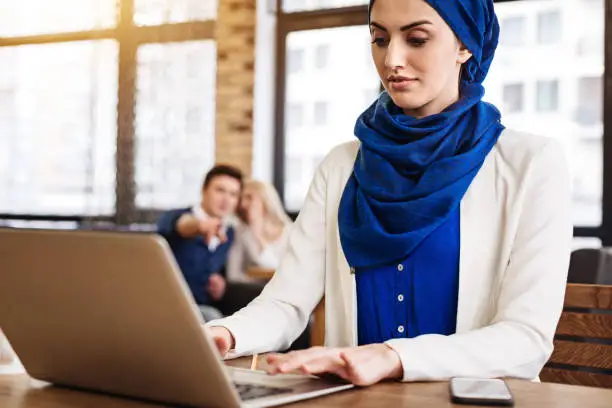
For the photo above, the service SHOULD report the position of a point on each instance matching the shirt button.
(400, 329)
(400, 298)
(400, 267)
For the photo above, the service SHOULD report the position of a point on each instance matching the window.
(320, 113)
(344, 91)
(174, 122)
(58, 158)
(295, 184)
(33, 17)
(303, 5)
(83, 139)
(512, 31)
(295, 60)
(583, 242)
(370, 95)
(152, 12)
(549, 27)
(590, 101)
(513, 98)
(321, 56)
(591, 16)
(295, 116)
(528, 85)
(547, 96)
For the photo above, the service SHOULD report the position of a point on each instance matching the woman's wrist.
(396, 370)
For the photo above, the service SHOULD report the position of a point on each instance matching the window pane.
(582, 242)
(549, 27)
(295, 60)
(320, 113)
(547, 95)
(512, 31)
(562, 94)
(331, 107)
(58, 128)
(153, 12)
(590, 101)
(513, 98)
(295, 115)
(32, 17)
(321, 57)
(302, 5)
(175, 109)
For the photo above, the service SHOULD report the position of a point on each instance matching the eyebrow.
(402, 28)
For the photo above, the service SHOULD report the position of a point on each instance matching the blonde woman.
(261, 238)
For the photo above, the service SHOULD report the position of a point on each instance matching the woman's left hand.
(362, 366)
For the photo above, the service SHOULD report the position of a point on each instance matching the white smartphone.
(480, 391)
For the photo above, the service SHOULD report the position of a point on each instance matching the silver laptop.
(111, 312)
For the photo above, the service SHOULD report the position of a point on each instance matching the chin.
(407, 102)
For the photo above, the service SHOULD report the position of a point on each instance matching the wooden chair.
(317, 330)
(591, 265)
(581, 355)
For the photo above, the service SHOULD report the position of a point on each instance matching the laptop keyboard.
(252, 391)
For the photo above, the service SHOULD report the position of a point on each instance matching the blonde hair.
(271, 201)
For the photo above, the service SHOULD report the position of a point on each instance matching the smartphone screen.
(482, 390)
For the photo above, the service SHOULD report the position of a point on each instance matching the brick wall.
(235, 35)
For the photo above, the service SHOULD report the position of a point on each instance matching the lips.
(400, 83)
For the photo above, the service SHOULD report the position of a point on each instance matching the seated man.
(200, 237)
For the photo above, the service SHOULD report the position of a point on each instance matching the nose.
(396, 57)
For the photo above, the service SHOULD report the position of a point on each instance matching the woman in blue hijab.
(440, 240)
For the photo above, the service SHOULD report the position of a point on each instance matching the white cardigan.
(515, 244)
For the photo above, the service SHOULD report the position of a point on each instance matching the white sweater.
(245, 253)
(516, 236)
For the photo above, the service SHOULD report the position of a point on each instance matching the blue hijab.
(410, 174)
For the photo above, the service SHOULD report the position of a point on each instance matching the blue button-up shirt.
(416, 296)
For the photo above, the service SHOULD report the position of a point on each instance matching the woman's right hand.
(224, 340)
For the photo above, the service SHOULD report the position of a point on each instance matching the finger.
(296, 359)
(221, 345)
(273, 357)
(274, 361)
(326, 364)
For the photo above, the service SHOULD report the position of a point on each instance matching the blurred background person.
(200, 237)
(261, 237)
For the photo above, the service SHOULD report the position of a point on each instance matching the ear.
(463, 55)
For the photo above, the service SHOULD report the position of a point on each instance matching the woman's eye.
(417, 42)
(379, 41)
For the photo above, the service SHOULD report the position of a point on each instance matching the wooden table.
(23, 392)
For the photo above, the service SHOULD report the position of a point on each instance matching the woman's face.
(417, 55)
(251, 204)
